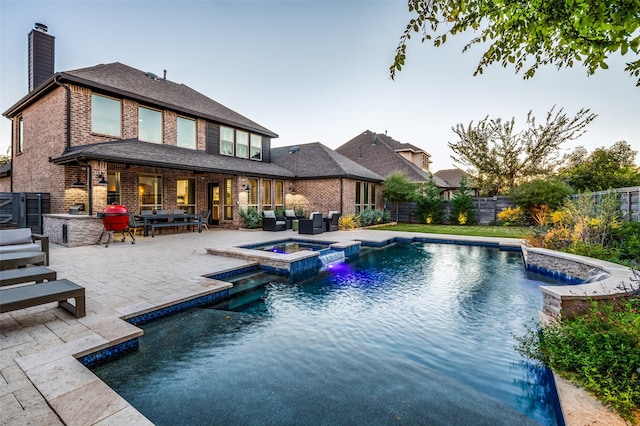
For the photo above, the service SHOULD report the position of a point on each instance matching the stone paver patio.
(42, 383)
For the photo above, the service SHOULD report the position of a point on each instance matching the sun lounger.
(60, 291)
(25, 275)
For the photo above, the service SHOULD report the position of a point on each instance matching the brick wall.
(44, 137)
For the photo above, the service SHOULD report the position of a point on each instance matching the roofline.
(65, 77)
(84, 157)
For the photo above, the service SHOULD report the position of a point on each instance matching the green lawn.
(479, 231)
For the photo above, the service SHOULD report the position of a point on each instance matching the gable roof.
(124, 81)
(314, 160)
(135, 152)
(452, 177)
(379, 153)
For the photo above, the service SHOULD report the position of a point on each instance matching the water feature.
(412, 334)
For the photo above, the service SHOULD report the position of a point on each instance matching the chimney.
(41, 55)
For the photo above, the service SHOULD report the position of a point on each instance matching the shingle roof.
(133, 151)
(5, 169)
(452, 177)
(381, 157)
(125, 81)
(315, 160)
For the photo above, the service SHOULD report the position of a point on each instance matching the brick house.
(384, 156)
(114, 134)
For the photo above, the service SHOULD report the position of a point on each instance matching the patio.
(122, 280)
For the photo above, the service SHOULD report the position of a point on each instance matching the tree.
(604, 168)
(463, 212)
(430, 205)
(397, 188)
(527, 34)
(540, 195)
(498, 157)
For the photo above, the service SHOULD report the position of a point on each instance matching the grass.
(477, 230)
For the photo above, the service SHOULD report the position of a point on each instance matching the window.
(256, 147)
(228, 199)
(113, 188)
(253, 193)
(266, 195)
(279, 195)
(150, 192)
(358, 184)
(226, 140)
(365, 201)
(242, 144)
(186, 195)
(186, 133)
(20, 142)
(373, 196)
(149, 125)
(106, 116)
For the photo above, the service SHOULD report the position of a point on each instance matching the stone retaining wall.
(565, 301)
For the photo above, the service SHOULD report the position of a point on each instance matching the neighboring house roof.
(452, 177)
(5, 169)
(314, 160)
(135, 152)
(379, 153)
(124, 81)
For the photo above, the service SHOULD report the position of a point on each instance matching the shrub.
(430, 206)
(512, 216)
(372, 217)
(599, 349)
(251, 219)
(351, 221)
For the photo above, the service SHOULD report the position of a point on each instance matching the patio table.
(16, 259)
(191, 219)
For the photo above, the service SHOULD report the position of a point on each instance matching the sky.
(314, 71)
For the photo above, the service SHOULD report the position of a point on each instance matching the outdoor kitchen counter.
(71, 230)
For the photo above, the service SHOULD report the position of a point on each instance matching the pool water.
(411, 334)
(285, 247)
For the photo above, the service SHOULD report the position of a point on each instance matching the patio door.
(214, 203)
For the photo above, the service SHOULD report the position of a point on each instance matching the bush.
(430, 206)
(599, 349)
(251, 219)
(369, 217)
(351, 221)
(512, 216)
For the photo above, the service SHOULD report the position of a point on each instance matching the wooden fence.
(23, 209)
(629, 201)
(487, 209)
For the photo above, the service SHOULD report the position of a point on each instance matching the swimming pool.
(412, 334)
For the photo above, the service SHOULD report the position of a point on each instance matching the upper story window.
(149, 125)
(242, 144)
(106, 116)
(20, 141)
(186, 133)
(227, 140)
(425, 162)
(256, 147)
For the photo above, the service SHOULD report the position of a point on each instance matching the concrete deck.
(42, 383)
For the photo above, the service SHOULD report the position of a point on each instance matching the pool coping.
(79, 397)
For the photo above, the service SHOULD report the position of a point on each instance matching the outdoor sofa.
(22, 239)
(271, 223)
(313, 225)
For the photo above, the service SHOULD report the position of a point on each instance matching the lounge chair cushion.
(269, 214)
(289, 213)
(312, 213)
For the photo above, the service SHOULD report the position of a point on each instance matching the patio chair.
(313, 225)
(135, 224)
(205, 214)
(331, 221)
(271, 223)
